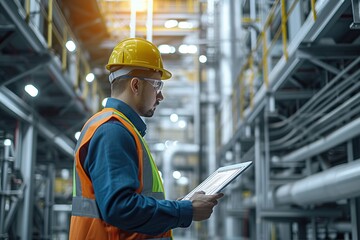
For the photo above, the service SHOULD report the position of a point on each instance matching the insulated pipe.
(339, 136)
(169, 154)
(337, 183)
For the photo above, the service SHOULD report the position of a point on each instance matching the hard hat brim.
(165, 74)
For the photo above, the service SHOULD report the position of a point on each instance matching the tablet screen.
(219, 179)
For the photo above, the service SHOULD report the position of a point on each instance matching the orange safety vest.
(86, 222)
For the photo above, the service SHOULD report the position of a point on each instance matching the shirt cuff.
(186, 213)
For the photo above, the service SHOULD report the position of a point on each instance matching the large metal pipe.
(339, 136)
(337, 183)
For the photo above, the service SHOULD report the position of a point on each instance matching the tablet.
(219, 179)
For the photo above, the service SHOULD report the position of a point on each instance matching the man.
(118, 193)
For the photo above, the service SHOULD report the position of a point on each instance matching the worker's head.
(136, 74)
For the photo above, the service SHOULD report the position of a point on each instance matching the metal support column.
(258, 184)
(354, 202)
(49, 202)
(26, 145)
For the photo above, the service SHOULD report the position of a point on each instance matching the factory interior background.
(276, 82)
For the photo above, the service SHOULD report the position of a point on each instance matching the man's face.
(150, 96)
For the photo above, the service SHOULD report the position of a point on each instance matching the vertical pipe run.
(149, 21)
(133, 19)
(28, 140)
(258, 184)
(354, 202)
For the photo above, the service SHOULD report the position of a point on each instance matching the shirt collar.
(134, 118)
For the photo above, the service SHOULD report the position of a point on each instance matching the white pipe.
(337, 183)
(133, 19)
(339, 136)
(149, 21)
(169, 154)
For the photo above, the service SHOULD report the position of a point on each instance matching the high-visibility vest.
(86, 222)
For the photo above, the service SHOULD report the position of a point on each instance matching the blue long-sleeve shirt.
(112, 164)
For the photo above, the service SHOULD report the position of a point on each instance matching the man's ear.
(135, 85)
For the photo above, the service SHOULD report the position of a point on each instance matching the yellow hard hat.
(138, 52)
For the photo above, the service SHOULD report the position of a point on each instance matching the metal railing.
(56, 31)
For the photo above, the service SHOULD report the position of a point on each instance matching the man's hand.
(203, 205)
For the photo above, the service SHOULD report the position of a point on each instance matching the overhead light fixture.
(166, 49)
(31, 90)
(182, 124)
(70, 45)
(7, 142)
(174, 117)
(171, 23)
(183, 181)
(202, 59)
(140, 5)
(90, 77)
(185, 25)
(187, 49)
(176, 174)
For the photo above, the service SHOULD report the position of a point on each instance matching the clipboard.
(219, 179)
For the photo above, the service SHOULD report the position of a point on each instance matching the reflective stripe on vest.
(152, 187)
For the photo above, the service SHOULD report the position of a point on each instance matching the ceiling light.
(31, 90)
(187, 49)
(70, 45)
(171, 23)
(77, 135)
(183, 181)
(140, 5)
(176, 174)
(182, 124)
(174, 117)
(166, 49)
(202, 58)
(90, 77)
(185, 25)
(7, 142)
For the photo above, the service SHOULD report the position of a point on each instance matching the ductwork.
(337, 183)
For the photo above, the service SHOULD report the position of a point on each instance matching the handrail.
(262, 41)
(62, 33)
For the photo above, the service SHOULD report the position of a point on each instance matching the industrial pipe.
(337, 183)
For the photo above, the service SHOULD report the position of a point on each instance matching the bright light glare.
(182, 124)
(70, 45)
(187, 49)
(103, 103)
(77, 135)
(31, 90)
(90, 77)
(140, 5)
(7, 142)
(183, 181)
(174, 117)
(171, 23)
(176, 174)
(202, 58)
(65, 173)
(166, 49)
(185, 25)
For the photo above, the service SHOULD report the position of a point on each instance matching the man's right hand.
(203, 205)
